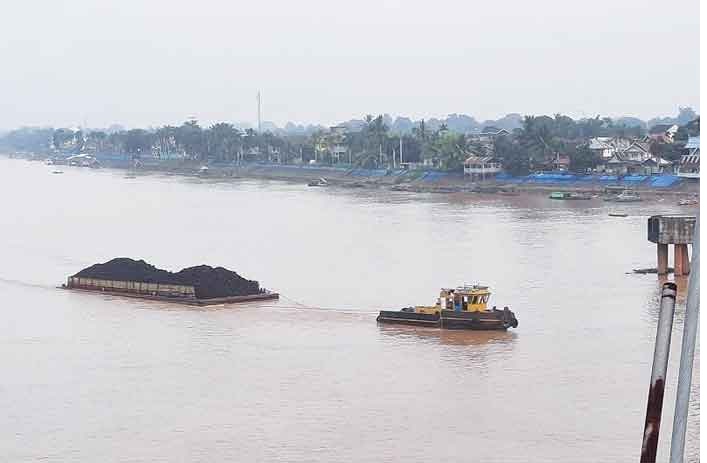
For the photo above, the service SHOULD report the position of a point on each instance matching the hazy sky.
(152, 62)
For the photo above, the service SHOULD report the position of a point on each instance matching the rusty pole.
(654, 408)
(687, 354)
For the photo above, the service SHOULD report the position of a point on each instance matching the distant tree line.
(371, 143)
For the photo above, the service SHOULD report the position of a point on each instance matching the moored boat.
(567, 196)
(464, 307)
(319, 182)
(688, 202)
(625, 197)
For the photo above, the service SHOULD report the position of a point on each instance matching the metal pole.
(687, 354)
(401, 151)
(654, 408)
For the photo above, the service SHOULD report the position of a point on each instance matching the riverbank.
(413, 181)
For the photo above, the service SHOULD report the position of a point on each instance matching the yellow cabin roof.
(470, 290)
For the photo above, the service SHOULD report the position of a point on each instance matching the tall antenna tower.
(259, 119)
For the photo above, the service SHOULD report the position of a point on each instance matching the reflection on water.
(448, 337)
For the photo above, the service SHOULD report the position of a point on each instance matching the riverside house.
(605, 147)
(636, 159)
(480, 167)
(332, 145)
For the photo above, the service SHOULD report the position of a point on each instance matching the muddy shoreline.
(342, 178)
(409, 181)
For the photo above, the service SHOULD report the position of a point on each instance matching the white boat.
(625, 197)
(321, 182)
(688, 202)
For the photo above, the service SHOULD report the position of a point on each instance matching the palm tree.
(191, 137)
(167, 139)
(223, 141)
(420, 131)
(99, 137)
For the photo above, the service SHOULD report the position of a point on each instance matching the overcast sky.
(153, 62)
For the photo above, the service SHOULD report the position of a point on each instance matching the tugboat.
(461, 308)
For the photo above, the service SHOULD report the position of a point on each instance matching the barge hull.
(180, 300)
(494, 321)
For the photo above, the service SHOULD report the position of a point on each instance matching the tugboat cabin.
(461, 299)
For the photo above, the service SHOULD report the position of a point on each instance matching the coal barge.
(461, 308)
(201, 285)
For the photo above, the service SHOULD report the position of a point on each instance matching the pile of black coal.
(212, 282)
(208, 282)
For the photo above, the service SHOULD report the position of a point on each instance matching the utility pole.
(259, 120)
(401, 151)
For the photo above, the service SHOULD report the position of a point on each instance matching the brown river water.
(312, 377)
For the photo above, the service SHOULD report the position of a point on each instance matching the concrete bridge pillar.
(677, 230)
(682, 261)
(662, 259)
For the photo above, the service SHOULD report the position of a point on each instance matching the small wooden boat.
(511, 192)
(463, 308)
(567, 196)
(319, 182)
(617, 214)
(688, 202)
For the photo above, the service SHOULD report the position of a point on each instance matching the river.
(312, 377)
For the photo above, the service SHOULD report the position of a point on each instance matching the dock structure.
(678, 230)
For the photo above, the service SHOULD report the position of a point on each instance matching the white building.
(481, 166)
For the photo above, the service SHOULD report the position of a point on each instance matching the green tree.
(582, 159)
(514, 158)
(191, 138)
(99, 138)
(223, 141)
(138, 141)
